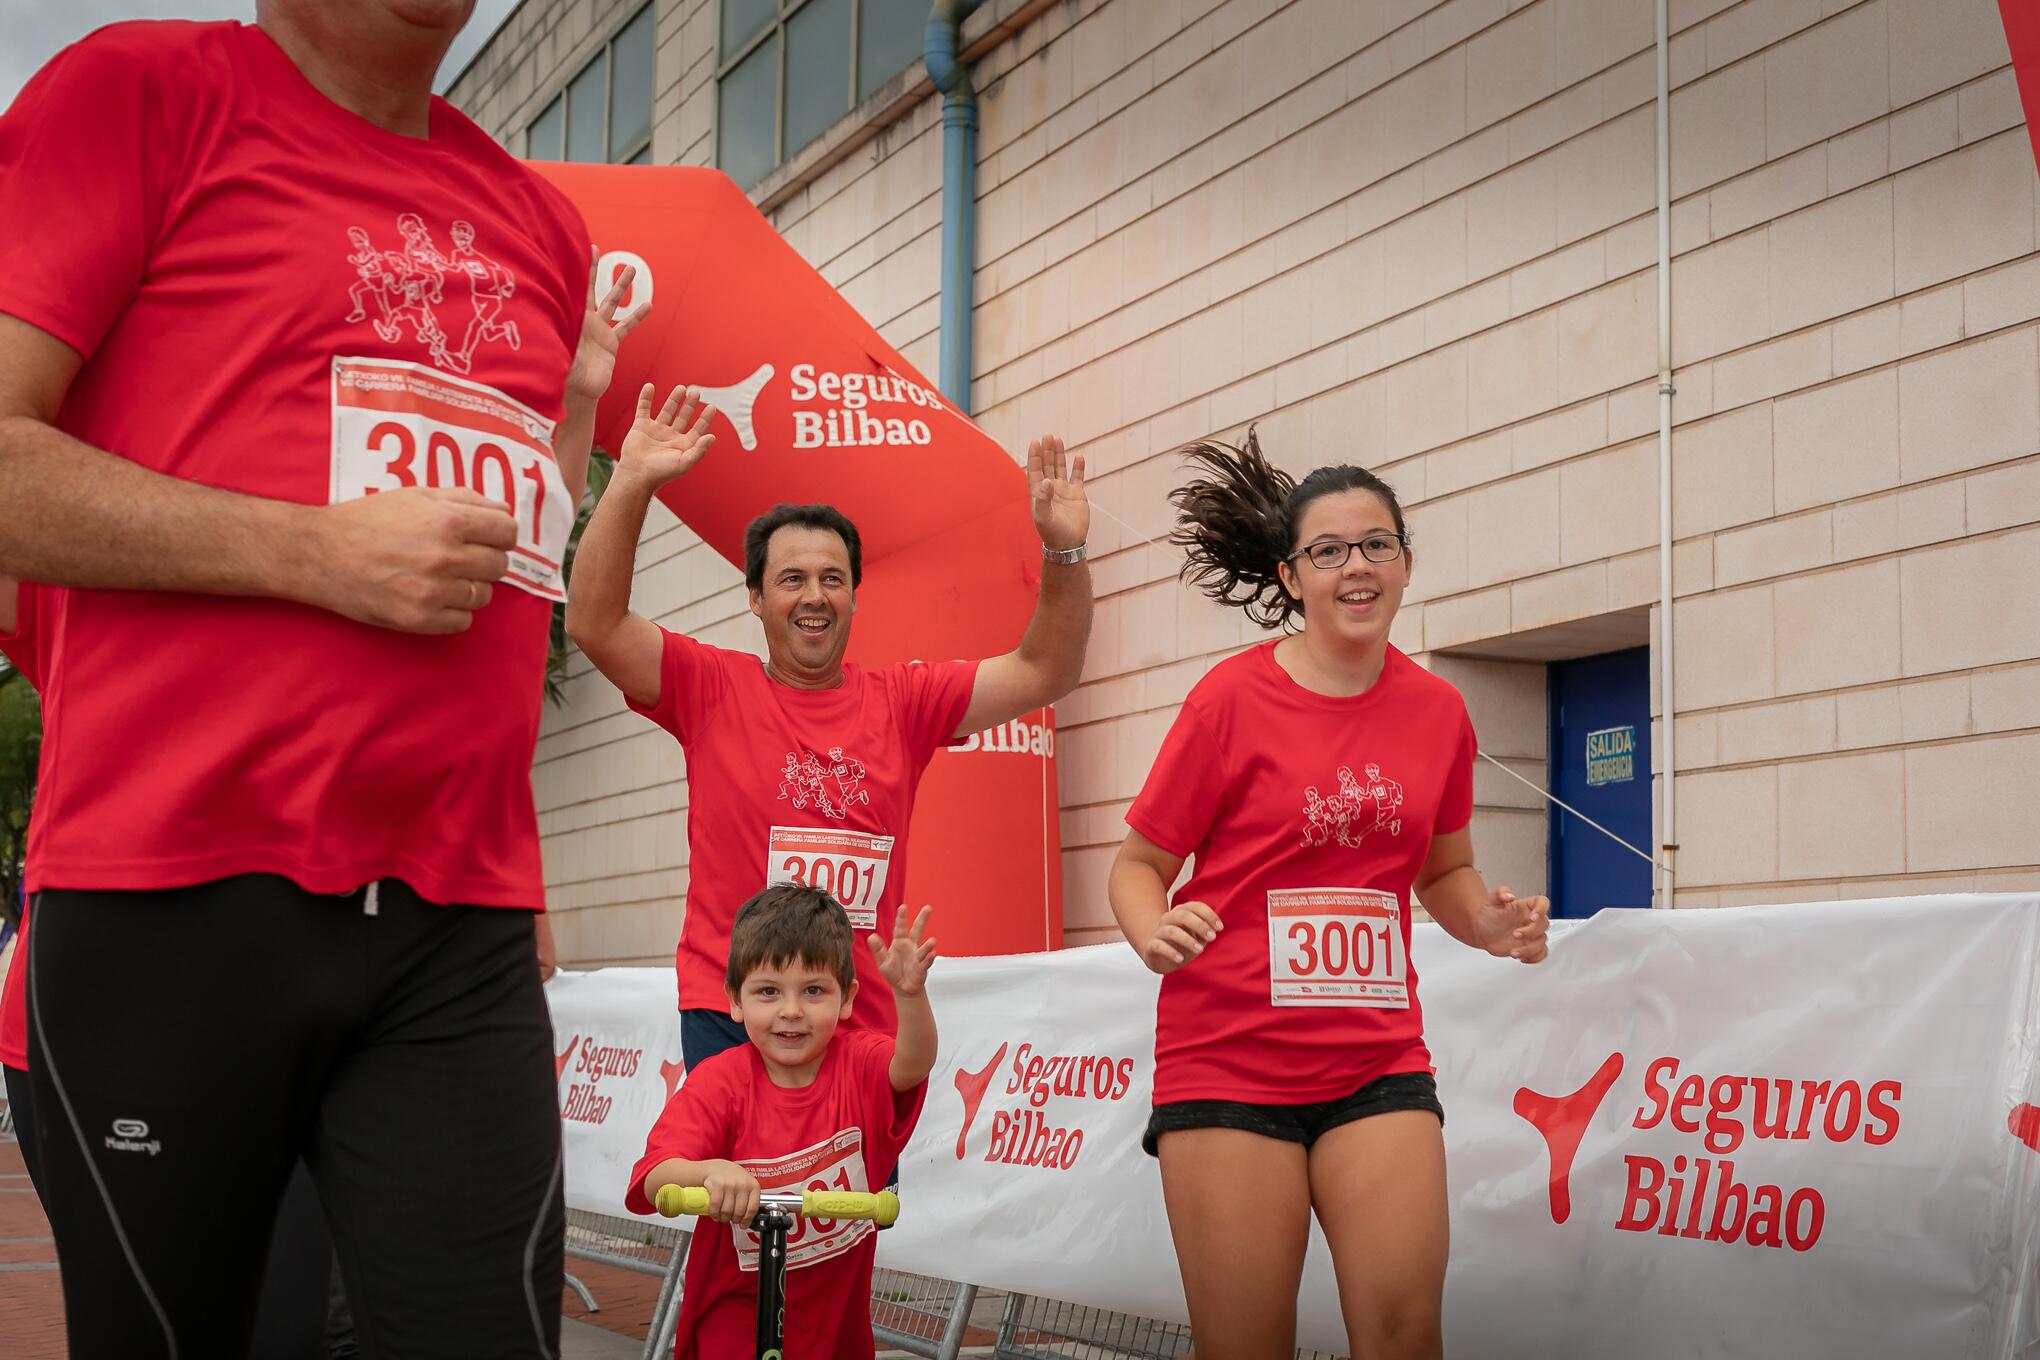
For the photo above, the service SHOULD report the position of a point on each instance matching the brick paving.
(31, 1295)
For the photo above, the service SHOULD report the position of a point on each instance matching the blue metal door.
(1600, 764)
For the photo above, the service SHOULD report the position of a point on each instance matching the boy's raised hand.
(904, 962)
(601, 333)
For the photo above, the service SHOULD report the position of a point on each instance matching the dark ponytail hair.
(1238, 522)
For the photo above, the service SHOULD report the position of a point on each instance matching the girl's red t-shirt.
(1308, 818)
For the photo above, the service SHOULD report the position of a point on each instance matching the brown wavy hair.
(1237, 523)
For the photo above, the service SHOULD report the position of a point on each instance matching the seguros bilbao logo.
(1704, 1194)
(591, 1062)
(1040, 1123)
(831, 409)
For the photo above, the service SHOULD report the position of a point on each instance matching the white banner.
(1771, 1131)
(616, 1053)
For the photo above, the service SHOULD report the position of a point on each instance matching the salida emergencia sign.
(1611, 755)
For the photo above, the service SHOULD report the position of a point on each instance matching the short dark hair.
(1237, 523)
(760, 531)
(787, 923)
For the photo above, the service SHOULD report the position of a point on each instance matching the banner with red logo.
(616, 1058)
(1807, 1131)
(814, 406)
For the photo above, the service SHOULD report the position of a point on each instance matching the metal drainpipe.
(1668, 840)
(959, 192)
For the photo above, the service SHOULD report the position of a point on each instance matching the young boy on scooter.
(803, 1106)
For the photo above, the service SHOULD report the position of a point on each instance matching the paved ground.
(585, 1341)
(31, 1299)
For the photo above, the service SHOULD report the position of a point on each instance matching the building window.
(787, 69)
(605, 113)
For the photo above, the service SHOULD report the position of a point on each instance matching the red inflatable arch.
(814, 406)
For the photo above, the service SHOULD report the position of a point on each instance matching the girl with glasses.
(1324, 784)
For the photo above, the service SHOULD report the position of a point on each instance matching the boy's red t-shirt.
(806, 786)
(1316, 813)
(844, 1131)
(273, 296)
(27, 649)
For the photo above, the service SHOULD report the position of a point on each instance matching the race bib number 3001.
(851, 865)
(1336, 947)
(834, 1164)
(399, 424)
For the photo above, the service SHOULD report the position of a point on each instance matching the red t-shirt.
(792, 785)
(265, 290)
(845, 1131)
(27, 650)
(1317, 813)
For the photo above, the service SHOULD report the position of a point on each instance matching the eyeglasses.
(1331, 554)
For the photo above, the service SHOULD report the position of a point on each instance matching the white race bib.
(849, 865)
(1336, 947)
(398, 424)
(834, 1164)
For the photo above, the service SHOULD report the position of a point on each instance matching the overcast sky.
(37, 30)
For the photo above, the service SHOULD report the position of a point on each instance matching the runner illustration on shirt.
(805, 782)
(408, 284)
(1319, 816)
(1356, 810)
(423, 283)
(379, 273)
(1385, 796)
(489, 285)
(1372, 807)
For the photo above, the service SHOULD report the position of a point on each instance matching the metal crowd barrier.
(1050, 1329)
(917, 1314)
(920, 1315)
(639, 1244)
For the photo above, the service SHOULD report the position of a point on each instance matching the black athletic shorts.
(1303, 1124)
(189, 1046)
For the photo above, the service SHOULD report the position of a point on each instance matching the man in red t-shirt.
(801, 768)
(285, 859)
(802, 1105)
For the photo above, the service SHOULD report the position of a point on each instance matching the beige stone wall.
(1421, 235)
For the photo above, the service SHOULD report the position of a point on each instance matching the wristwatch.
(1065, 557)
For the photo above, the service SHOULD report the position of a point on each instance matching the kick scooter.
(776, 1211)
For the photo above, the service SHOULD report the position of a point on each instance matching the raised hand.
(904, 961)
(1515, 927)
(1055, 490)
(1180, 936)
(663, 445)
(601, 336)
